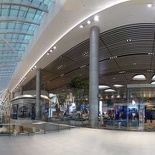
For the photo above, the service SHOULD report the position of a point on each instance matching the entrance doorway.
(141, 107)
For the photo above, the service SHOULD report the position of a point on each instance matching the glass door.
(141, 107)
(136, 107)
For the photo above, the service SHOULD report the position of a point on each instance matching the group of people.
(78, 114)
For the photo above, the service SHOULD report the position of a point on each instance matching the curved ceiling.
(124, 52)
(18, 23)
(126, 44)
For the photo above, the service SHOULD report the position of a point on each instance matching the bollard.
(69, 125)
(44, 128)
(9, 130)
(58, 126)
(119, 125)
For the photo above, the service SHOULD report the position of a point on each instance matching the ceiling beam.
(15, 49)
(19, 19)
(42, 7)
(12, 31)
(16, 41)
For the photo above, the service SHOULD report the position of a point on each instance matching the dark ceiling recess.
(124, 52)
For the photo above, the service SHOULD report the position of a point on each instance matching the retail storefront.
(133, 111)
(23, 107)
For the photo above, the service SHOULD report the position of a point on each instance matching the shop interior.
(134, 110)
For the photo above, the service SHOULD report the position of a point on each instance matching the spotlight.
(81, 26)
(88, 22)
(96, 18)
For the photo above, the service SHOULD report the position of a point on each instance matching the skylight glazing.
(18, 21)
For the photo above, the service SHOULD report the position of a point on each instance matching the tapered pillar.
(93, 76)
(38, 93)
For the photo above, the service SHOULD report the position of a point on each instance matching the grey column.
(93, 76)
(12, 95)
(38, 93)
(21, 90)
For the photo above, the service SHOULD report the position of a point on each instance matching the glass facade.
(134, 111)
(24, 108)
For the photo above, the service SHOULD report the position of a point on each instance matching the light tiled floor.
(80, 141)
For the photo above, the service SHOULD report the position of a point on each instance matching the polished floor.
(80, 141)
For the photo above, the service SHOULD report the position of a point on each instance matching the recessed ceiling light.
(48, 53)
(150, 70)
(150, 53)
(81, 26)
(139, 77)
(118, 85)
(85, 53)
(88, 22)
(96, 18)
(110, 90)
(113, 57)
(153, 82)
(54, 47)
(121, 72)
(153, 78)
(149, 5)
(62, 75)
(103, 87)
(51, 50)
(83, 66)
(128, 40)
(59, 67)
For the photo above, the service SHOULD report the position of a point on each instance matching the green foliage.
(78, 83)
(61, 98)
(80, 87)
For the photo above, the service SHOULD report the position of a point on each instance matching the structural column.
(93, 76)
(12, 95)
(21, 90)
(38, 93)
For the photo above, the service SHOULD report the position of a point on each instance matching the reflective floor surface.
(80, 141)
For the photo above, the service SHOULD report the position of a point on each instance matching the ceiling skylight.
(110, 90)
(139, 77)
(118, 85)
(153, 78)
(103, 87)
(20, 21)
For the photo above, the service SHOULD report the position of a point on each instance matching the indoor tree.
(80, 88)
